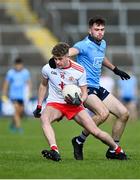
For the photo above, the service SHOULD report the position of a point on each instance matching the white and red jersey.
(58, 78)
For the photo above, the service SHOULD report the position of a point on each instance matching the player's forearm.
(5, 88)
(84, 97)
(84, 93)
(41, 93)
(73, 52)
(108, 64)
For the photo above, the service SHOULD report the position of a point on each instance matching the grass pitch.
(20, 154)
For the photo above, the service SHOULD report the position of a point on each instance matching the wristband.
(115, 68)
(39, 106)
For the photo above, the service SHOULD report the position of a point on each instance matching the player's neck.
(68, 65)
(94, 40)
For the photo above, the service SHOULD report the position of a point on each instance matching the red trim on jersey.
(77, 67)
(39, 106)
(67, 110)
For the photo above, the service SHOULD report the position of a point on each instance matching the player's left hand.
(122, 74)
(4, 98)
(74, 101)
(52, 63)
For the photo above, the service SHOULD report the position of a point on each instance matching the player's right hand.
(37, 111)
(52, 63)
(74, 101)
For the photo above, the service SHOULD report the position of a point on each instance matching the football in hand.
(71, 89)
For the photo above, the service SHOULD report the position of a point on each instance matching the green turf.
(20, 155)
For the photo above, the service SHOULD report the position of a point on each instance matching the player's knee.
(125, 116)
(44, 119)
(104, 115)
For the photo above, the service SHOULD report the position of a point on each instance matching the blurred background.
(30, 28)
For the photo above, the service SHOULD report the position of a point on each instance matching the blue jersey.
(128, 88)
(17, 83)
(91, 56)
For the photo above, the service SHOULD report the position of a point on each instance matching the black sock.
(81, 139)
(117, 142)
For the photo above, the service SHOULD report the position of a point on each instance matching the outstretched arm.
(73, 52)
(109, 65)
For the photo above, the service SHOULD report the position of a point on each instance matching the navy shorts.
(102, 93)
(127, 99)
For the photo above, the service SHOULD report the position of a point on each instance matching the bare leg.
(132, 107)
(48, 116)
(93, 103)
(19, 108)
(122, 114)
(85, 120)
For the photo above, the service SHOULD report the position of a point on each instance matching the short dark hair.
(60, 49)
(18, 61)
(99, 20)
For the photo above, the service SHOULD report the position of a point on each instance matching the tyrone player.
(53, 81)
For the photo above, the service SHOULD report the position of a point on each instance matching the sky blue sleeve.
(79, 46)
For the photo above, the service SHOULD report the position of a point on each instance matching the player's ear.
(89, 31)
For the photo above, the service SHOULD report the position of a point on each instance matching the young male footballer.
(90, 53)
(53, 82)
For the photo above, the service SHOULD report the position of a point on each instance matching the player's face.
(18, 67)
(97, 31)
(62, 61)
